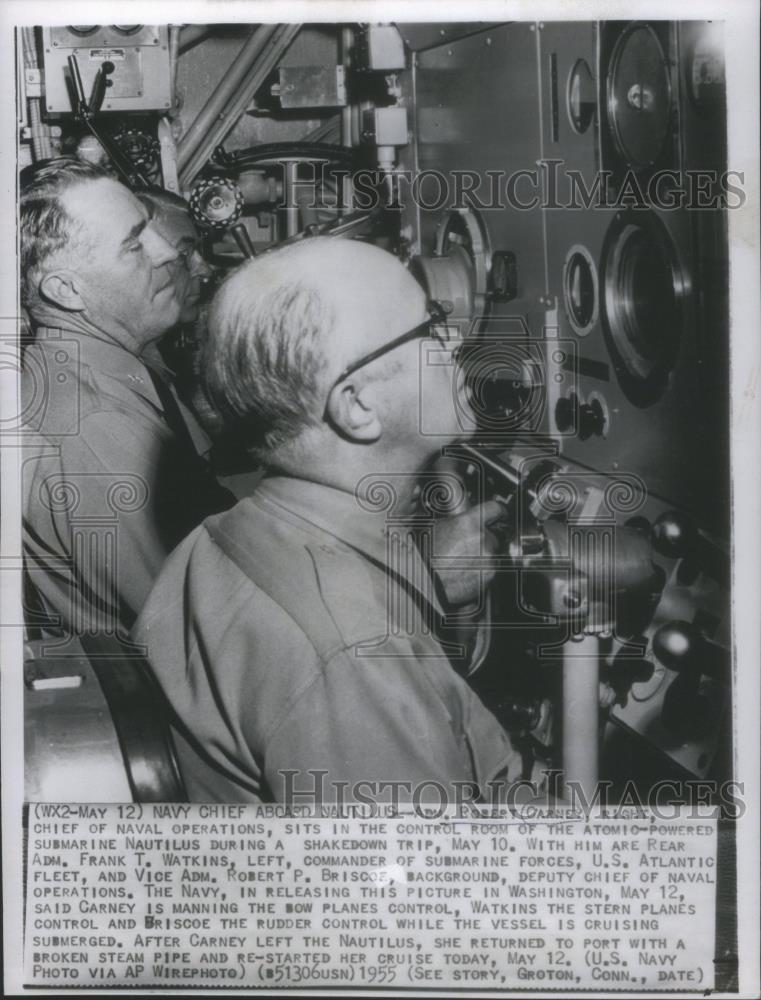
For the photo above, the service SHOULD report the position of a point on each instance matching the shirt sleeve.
(96, 504)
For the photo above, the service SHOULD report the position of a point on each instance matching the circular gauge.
(580, 289)
(127, 29)
(644, 292)
(140, 147)
(581, 97)
(505, 386)
(83, 29)
(216, 202)
(639, 96)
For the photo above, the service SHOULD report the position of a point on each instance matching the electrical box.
(386, 126)
(136, 57)
(311, 87)
(380, 47)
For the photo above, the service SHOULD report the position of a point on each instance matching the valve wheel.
(216, 203)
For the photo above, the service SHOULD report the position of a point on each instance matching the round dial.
(639, 96)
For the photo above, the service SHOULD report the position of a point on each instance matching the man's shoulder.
(334, 594)
(63, 393)
(205, 605)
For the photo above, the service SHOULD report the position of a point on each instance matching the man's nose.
(159, 249)
(198, 267)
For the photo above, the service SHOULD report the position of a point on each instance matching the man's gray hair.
(264, 351)
(44, 225)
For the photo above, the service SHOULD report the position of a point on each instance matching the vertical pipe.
(40, 134)
(347, 41)
(347, 192)
(168, 152)
(290, 170)
(174, 54)
(348, 136)
(581, 675)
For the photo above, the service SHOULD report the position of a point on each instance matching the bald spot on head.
(284, 325)
(370, 296)
(373, 297)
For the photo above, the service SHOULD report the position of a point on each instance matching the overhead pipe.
(192, 34)
(227, 86)
(276, 45)
(328, 131)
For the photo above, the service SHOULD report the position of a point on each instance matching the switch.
(681, 647)
(503, 276)
(591, 420)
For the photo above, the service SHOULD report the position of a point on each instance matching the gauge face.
(643, 297)
(639, 96)
(127, 29)
(582, 99)
(83, 29)
(580, 289)
(216, 202)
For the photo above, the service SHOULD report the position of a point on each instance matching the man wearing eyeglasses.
(296, 635)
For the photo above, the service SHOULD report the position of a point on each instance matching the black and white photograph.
(380, 469)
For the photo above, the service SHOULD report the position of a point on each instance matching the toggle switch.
(680, 647)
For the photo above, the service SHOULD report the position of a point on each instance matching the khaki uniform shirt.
(109, 487)
(308, 651)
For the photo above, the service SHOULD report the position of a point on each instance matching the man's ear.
(352, 412)
(62, 289)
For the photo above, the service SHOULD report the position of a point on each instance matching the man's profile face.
(190, 269)
(124, 266)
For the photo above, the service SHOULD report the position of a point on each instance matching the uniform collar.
(375, 532)
(108, 358)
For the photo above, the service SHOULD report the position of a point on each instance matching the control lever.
(674, 535)
(99, 86)
(688, 709)
(85, 111)
(681, 647)
(241, 237)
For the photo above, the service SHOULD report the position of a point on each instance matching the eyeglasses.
(429, 328)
